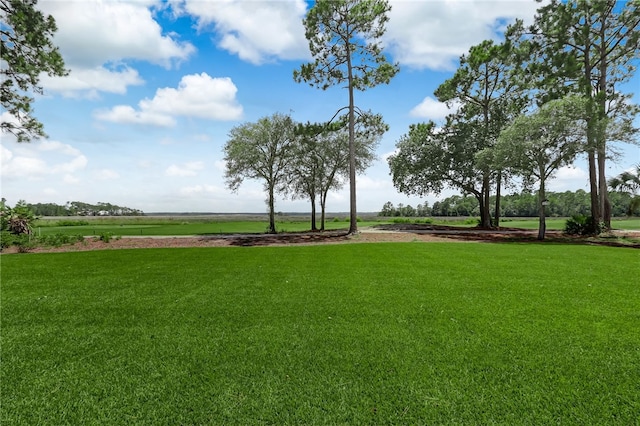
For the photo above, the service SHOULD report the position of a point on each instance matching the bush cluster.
(582, 225)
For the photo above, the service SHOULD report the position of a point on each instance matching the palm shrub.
(628, 182)
(16, 220)
(582, 225)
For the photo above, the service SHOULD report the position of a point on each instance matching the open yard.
(394, 333)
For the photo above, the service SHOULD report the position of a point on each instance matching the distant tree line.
(77, 208)
(525, 204)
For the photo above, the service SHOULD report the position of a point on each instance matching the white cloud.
(39, 159)
(186, 169)
(432, 109)
(127, 115)
(197, 95)
(257, 31)
(70, 179)
(88, 82)
(202, 189)
(107, 174)
(569, 178)
(433, 34)
(92, 33)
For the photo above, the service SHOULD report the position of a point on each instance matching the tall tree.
(429, 159)
(27, 51)
(323, 156)
(490, 96)
(535, 146)
(263, 151)
(588, 47)
(344, 38)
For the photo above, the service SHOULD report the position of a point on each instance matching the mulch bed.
(375, 234)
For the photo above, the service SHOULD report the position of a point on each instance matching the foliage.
(356, 334)
(582, 225)
(344, 40)
(78, 208)
(322, 156)
(72, 223)
(489, 94)
(105, 237)
(535, 146)
(27, 51)
(588, 48)
(59, 239)
(17, 220)
(522, 204)
(264, 151)
(429, 159)
(628, 182)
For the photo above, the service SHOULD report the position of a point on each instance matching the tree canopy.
(27, 51)
(344, 38)
(263, 151)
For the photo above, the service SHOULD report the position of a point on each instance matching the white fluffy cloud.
(197, 95)
(569, 178)
(433, 34)
(186, 169)
(432, 109)
(92, 33)
(257, 31)
(88, 82)
(39, 159)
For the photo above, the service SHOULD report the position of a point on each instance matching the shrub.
(105, 236)
(68, 222)
(59, 239)
(582, 225)
(24, 242)
(6, 239)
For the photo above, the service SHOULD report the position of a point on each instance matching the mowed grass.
(558, 224)
(187, 228)
(391, 333)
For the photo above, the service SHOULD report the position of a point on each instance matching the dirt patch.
(376, 234)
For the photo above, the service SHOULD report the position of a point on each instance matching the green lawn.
(125, 228)
(558, 224)
(410, 333)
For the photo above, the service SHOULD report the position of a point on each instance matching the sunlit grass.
(411, 333)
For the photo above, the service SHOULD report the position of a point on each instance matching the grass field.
(124, 227)
(555, 223)
(394, 333)
(176, 225)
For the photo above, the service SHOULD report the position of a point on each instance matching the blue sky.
(155, 87)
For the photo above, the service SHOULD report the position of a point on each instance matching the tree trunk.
(323, 205)
(496, 222)
(542, 224)
(353, 215)
(313, 214)
(272, 213)
(485, 209)
(605, 206)
(593, 186)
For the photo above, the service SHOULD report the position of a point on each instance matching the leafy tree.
(490, 95)
(535, 146)
(344, 38)
(322, 157)
(388, 209)
(430, 159)
(587, 47)
(26, 51)
(263, 151)
(628, 182)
